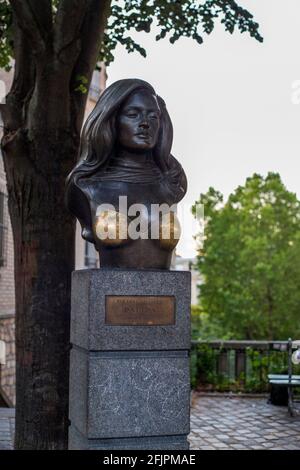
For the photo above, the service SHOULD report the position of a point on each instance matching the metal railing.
(236, 365)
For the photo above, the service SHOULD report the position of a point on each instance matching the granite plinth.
(89, 289)
(129, 385)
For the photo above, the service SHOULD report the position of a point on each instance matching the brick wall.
(7, 302)
(7, 282)
(7, 370)
(7, 287)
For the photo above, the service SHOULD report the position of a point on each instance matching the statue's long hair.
(98, 139)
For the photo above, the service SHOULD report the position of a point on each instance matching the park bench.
(287, 381)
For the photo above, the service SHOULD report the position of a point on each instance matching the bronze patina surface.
(126, 151)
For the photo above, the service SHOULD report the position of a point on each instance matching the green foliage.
(205, 375)
(250, 260)
(203, 365)
(259, 366)
(82, 86)
(5, 35)
(203, 327)
(174, 19)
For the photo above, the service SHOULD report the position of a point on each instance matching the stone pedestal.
(129, 370)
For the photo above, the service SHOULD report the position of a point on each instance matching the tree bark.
(42, 120)
(44, 258)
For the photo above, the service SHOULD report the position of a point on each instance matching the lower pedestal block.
(127, 398)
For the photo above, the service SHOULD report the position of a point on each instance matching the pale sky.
(230, 101)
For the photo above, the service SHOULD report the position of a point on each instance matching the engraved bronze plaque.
(140, 310)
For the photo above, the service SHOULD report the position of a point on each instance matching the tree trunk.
(42, 120)
(44, 258)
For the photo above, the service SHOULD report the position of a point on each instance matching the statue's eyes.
(132, 114)
(135, 114)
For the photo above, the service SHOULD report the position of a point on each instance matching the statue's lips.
(143, 136)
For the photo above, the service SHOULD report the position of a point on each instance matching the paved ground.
(241, 423)
(219, 422)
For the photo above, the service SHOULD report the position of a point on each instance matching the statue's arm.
(78, 204)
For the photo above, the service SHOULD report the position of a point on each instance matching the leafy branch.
(174, 19)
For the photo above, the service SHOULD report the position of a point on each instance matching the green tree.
(55, 45)
(250, 260)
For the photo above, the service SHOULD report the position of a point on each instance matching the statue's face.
(139, 122)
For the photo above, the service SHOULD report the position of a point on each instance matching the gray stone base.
(129, 385)
(78, 441)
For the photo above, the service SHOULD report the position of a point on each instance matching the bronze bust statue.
(125, 169)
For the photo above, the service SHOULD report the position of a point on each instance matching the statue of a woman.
(126, 185)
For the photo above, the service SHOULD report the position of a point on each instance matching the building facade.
(7, 298)
(7, 282)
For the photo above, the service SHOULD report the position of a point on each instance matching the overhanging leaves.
(173, 18)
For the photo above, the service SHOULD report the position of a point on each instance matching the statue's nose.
(144, 124)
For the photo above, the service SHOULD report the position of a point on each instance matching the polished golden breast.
(113, 229)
